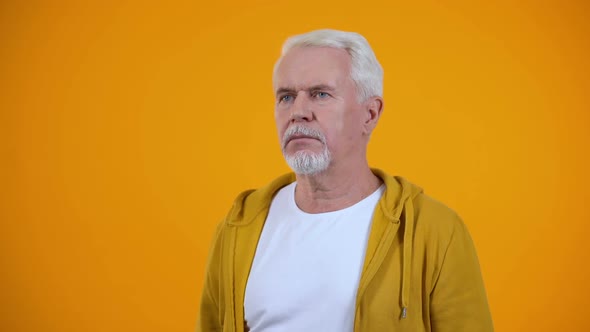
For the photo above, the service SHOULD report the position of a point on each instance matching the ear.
(373, 108)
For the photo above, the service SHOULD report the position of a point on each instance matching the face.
(319, 119)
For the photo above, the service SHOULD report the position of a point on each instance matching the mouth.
(299, 136)
(303, 134)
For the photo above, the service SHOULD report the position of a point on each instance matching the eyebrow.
(317, 87)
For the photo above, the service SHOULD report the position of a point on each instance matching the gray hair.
(366, 72)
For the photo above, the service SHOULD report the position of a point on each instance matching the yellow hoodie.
(421, 271)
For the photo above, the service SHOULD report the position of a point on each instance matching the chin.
(306, 163)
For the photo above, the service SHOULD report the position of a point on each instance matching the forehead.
(306, 66)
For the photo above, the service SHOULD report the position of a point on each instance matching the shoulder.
(435, 220)
(442, 236)
(249, 203)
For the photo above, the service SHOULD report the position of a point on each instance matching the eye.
(322, 95)
(285, 99)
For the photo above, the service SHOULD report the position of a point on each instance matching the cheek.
(333, 125)
(280, 124)
(352, 127)
(281, 115)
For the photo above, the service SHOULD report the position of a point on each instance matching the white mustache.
(302, 130)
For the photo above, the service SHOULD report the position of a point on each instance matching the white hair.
(366, 72)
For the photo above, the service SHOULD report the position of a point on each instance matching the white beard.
(308, 163)
(305, 162)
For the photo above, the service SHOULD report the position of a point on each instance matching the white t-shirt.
(307, 267)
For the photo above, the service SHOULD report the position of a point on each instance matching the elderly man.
(338, 246)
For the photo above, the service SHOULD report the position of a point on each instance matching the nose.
(301, 110)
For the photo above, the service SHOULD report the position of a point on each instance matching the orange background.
(128, 127)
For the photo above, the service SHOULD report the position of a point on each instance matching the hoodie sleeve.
(210, 312)
(458, 298)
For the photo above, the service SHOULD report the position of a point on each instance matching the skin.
(313, 87)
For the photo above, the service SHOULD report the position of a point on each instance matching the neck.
(335, 189)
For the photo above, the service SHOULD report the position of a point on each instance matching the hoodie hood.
(396, 205)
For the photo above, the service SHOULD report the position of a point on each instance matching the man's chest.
(305, 275)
